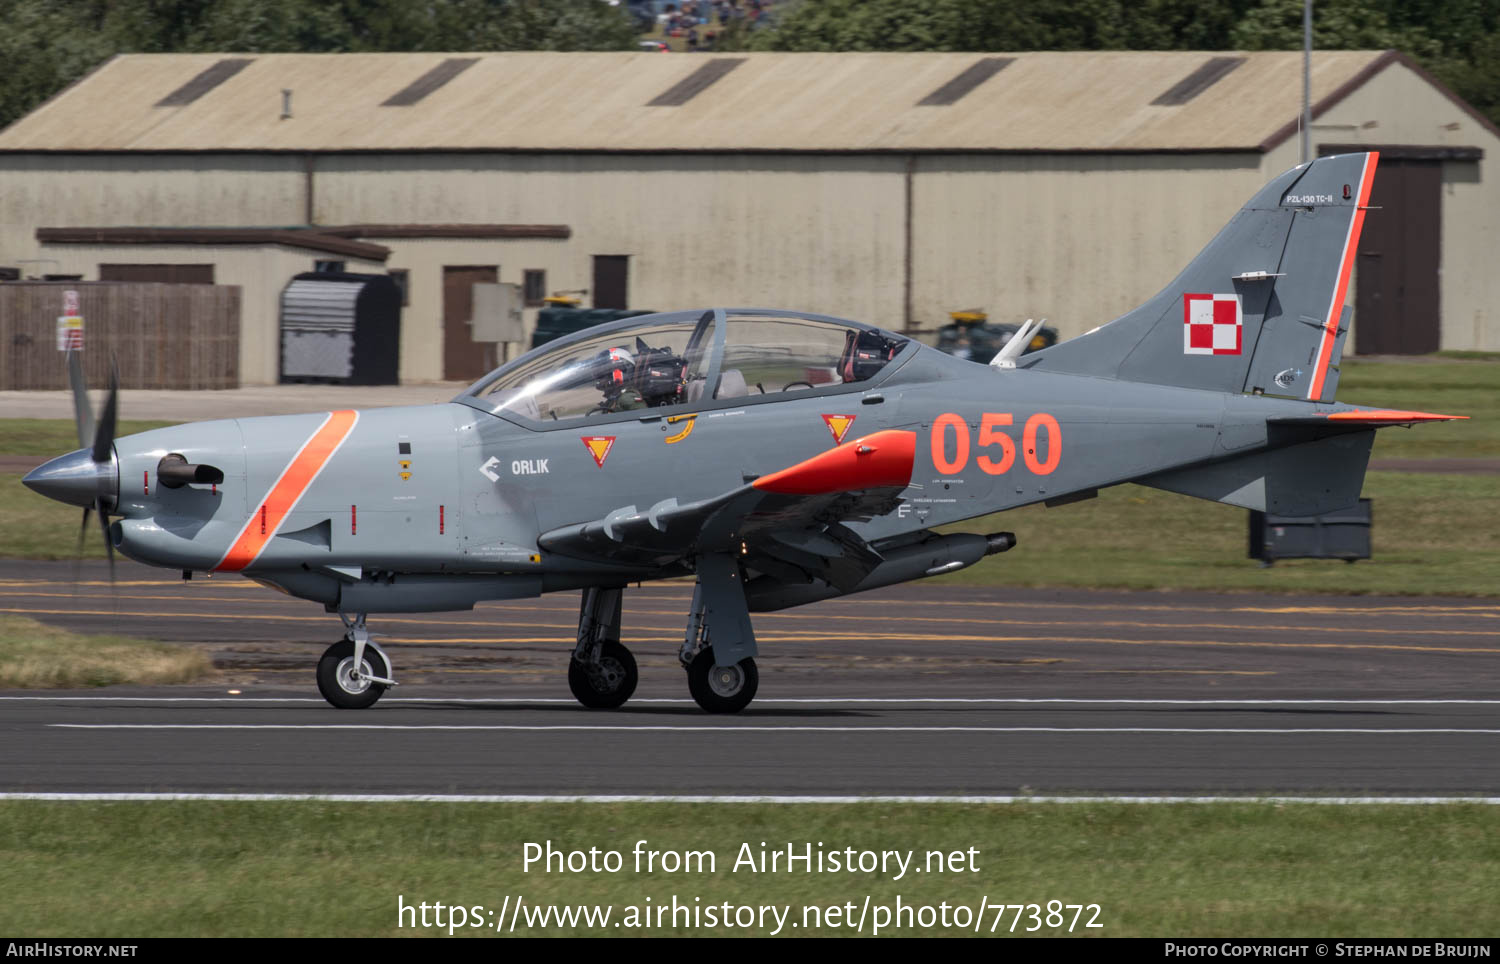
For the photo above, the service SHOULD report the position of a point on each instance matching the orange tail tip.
(1341, 287)
(1388, 416)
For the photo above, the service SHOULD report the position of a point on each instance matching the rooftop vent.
(976, 73)
(696, 83)
(430, 81)
(206, 81)
(1213, 71)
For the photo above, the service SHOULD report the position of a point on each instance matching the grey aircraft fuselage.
(474, 491)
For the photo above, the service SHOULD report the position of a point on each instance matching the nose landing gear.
(354, 672)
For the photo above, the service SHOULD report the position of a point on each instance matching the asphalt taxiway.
(913, 690)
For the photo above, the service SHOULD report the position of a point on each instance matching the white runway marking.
(785, 799)
(791, 701)
(722, 728)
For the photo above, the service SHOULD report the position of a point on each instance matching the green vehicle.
(557, 320)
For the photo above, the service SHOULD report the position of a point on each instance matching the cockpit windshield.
(645, 366)
(656, 361)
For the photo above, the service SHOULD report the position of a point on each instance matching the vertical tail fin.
(1261, 309)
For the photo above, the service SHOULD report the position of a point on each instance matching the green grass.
(56, 436)
(1469, 388)
(322, 869)
(33, 527)
(1433, 534)
(36, 656)
(1469, 355)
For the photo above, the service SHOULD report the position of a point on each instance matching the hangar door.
(1400, 254)
(611, 281)
(464, 359)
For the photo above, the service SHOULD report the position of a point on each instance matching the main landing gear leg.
(354, 672)
(719, 649)
(602, 673)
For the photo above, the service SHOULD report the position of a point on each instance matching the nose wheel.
(348, 685)
(354, 672)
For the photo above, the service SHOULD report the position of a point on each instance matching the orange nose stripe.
(288, 490)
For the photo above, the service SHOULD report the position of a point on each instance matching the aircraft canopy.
(686, 359)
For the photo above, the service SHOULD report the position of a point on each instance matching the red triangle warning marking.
(599, 446)
(838, 425)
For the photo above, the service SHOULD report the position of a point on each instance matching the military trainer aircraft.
(778, 458)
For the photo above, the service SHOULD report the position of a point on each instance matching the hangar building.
(891, 188)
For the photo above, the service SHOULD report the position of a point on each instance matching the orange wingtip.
(1390, 415)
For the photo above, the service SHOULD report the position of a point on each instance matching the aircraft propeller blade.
(99, 438)
(104, 451)
(109, 546)
(104, 435)
(83, 413)
(83, 529)
(83, 532)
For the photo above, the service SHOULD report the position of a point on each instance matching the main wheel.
(722, 689)
(336, 678)
(610, 684)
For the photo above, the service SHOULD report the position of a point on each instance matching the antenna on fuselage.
(1006, 357)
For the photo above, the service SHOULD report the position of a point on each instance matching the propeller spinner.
(90, 476)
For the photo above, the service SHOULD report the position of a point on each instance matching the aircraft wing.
(788, 523)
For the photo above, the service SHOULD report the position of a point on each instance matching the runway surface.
(914, 690)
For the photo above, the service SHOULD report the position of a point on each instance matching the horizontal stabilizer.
(1374, 417)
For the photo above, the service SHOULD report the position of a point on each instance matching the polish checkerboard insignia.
(1212, 324)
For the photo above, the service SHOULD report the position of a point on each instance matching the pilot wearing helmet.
(646, 378)
(866, 353)
(615, 378)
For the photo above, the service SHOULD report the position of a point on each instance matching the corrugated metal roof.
(539, 101)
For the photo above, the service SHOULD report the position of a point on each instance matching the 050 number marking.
(992, 433)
